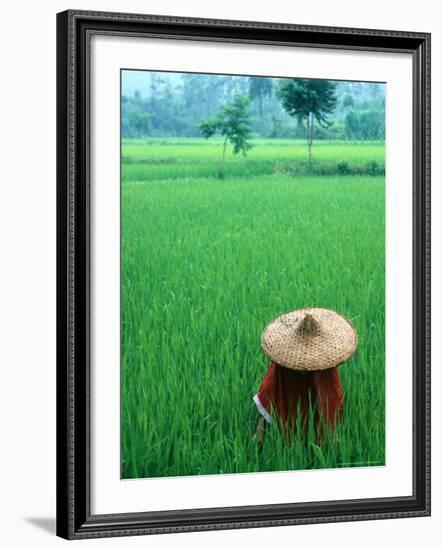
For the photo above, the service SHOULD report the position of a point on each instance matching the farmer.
(305, 347)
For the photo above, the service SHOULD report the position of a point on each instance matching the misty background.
(165, 104)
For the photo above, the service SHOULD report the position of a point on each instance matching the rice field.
(207, 263)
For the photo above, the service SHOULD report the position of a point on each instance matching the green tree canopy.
(308, 100)
(233, 122)
(259, 88)
(365, 124)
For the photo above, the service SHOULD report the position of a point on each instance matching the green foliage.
(208, 127)
(162, 159)
(205, 267)
(348, 100)
(308, 100)
(365, 124)
(233, 123)
(302, 98)
(259, 88)
(135, 119)
(343, 168)
(168, 104)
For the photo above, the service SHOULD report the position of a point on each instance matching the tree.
(259, 88)
(348, 101)
(308, 100)
(365, 124)
(233, 122)
(135, 119)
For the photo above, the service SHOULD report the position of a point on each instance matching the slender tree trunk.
(224, 156)
(310, 138)
(308, 141)
(224, 149)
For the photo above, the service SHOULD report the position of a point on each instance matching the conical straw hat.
(309, 339)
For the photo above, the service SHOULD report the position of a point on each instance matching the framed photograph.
(243, 274)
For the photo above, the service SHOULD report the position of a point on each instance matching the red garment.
(283, 390)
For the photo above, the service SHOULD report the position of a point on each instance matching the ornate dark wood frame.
(74, 519)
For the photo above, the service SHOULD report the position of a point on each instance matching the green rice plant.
(148, 160)
(206, 264)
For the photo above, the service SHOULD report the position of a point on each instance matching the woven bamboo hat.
(309, 339)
